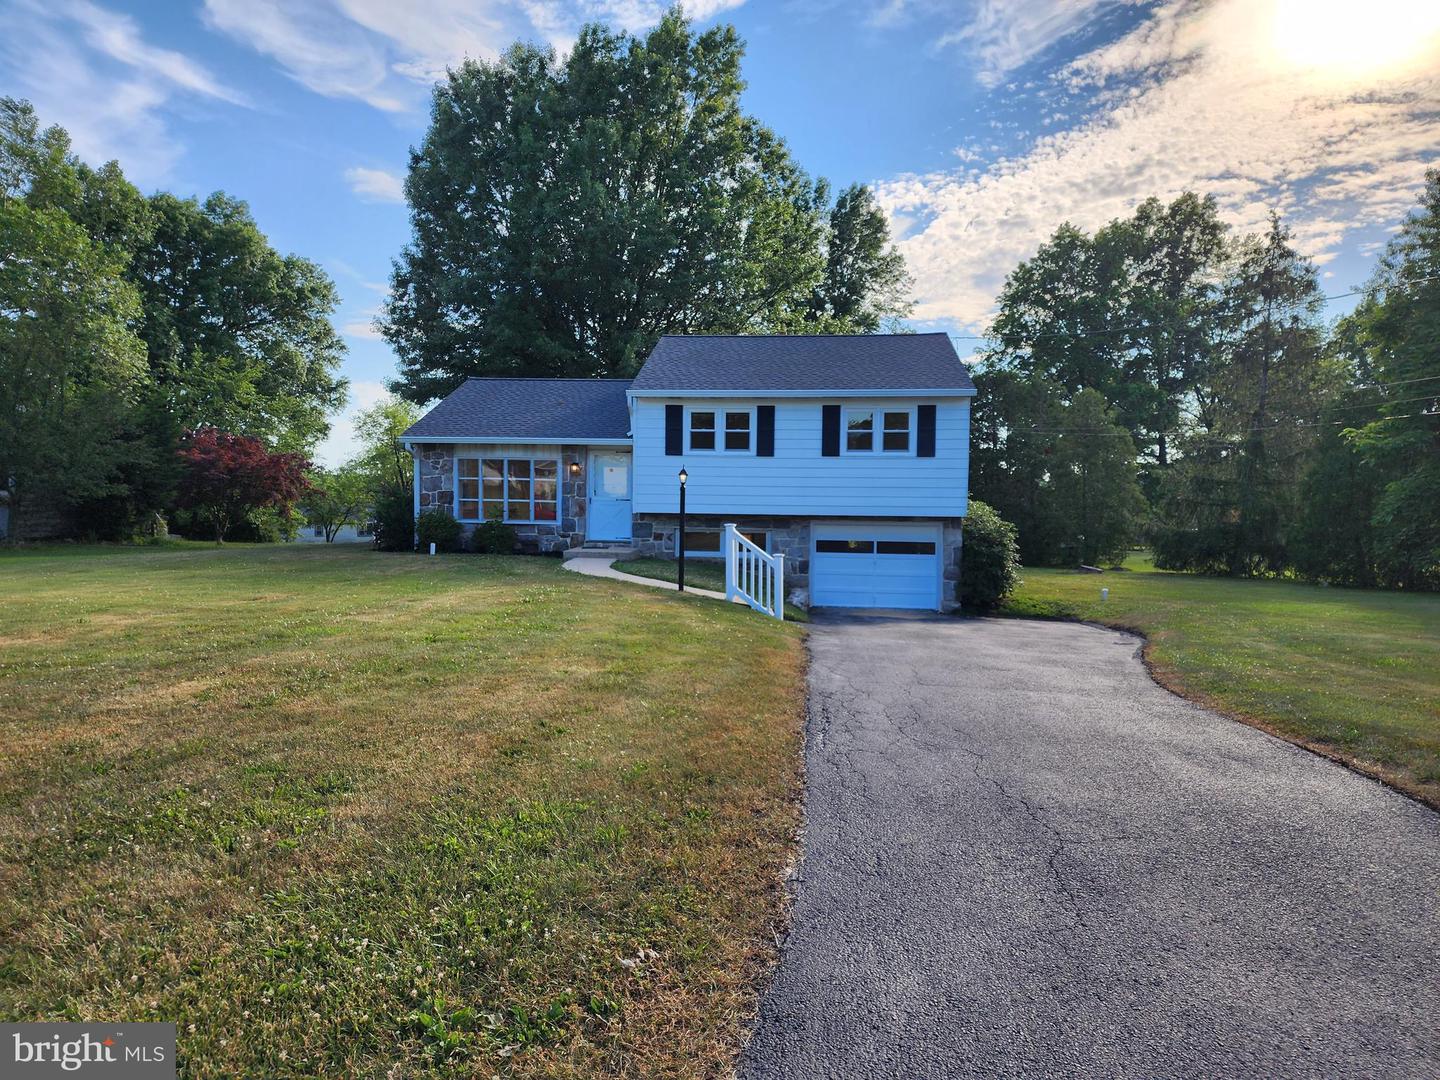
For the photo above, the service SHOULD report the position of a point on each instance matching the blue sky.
(982, 124)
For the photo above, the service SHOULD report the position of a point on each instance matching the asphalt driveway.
(1024, 858)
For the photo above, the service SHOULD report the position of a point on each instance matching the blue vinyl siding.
(798, 481)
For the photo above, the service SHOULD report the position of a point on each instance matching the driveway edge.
(1170, 679)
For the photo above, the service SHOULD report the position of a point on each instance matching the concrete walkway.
(604, 568)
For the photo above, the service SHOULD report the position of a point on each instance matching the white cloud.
(341, 444)
(91, 71)
(384, 53)
(1201, 97)
(117, 37)
(315, 44)
(1003, 35)
(363, 328)
(376, 185)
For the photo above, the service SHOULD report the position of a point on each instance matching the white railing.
(753, 576)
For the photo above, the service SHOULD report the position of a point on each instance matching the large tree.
(230, 331)
(238, 335)
(866, 284)
(567, 212)
(1231, 503)
(1092, 487)
(1129, 311)
(1399, 326)
(71, 368)
(72, 371)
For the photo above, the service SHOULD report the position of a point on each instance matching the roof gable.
(823, 364)
(529, 410)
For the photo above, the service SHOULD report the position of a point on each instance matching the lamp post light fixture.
(680, 536)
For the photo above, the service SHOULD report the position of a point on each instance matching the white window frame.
(505, 460)
(877, 440)
(719, 411)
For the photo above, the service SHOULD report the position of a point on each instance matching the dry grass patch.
(344, 813)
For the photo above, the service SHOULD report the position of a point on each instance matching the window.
(891, 437)
(702, 543)
(507, 489)
(845, 547)
(737, 430)
(702, 431)
(722, 430)
(905, 547)
(859, 430)
(895, 437)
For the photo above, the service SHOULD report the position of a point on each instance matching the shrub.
(493, 538)
(394, 521)
(438, 527)
(989, 561)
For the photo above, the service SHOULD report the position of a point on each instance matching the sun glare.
(1357, 37)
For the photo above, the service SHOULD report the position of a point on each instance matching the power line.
(1387, 385)
(1192, 436)
(1146, 326)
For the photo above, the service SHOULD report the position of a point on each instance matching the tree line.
(130, 323)
(1168, 381)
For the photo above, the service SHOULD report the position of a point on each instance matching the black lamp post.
(680, 537)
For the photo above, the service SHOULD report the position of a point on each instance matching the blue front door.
(609, 511)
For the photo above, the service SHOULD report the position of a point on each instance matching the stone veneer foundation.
(437, 489)
(655, 536)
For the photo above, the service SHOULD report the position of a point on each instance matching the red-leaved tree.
(226, 476)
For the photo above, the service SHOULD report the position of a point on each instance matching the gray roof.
(563, 410)
(822, 363)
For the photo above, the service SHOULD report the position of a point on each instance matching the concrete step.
(618, 552)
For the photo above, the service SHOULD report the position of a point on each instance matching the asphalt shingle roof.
(568, 409)
(797, 362)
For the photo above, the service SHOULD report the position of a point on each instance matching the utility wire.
(1145, 326)
(1182, 433)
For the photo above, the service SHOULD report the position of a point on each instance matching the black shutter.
(674, 430)
(925, 436)
(830, 431)
(765, 431)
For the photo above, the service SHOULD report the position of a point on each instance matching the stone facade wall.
(952, 542)
(437, 490)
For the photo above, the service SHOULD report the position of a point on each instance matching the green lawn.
(1353, 673)
(339, 812)
(701, 573)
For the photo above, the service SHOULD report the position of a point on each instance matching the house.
(362, 532)
(848, 454)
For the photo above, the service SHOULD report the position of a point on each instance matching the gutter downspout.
(415, 497)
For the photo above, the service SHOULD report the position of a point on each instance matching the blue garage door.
(881, 565)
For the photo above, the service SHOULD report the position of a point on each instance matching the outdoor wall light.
(574, 468)
(680, 534)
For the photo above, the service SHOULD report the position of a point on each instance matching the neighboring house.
(363, 533)
(35, 518)
(848, 454)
